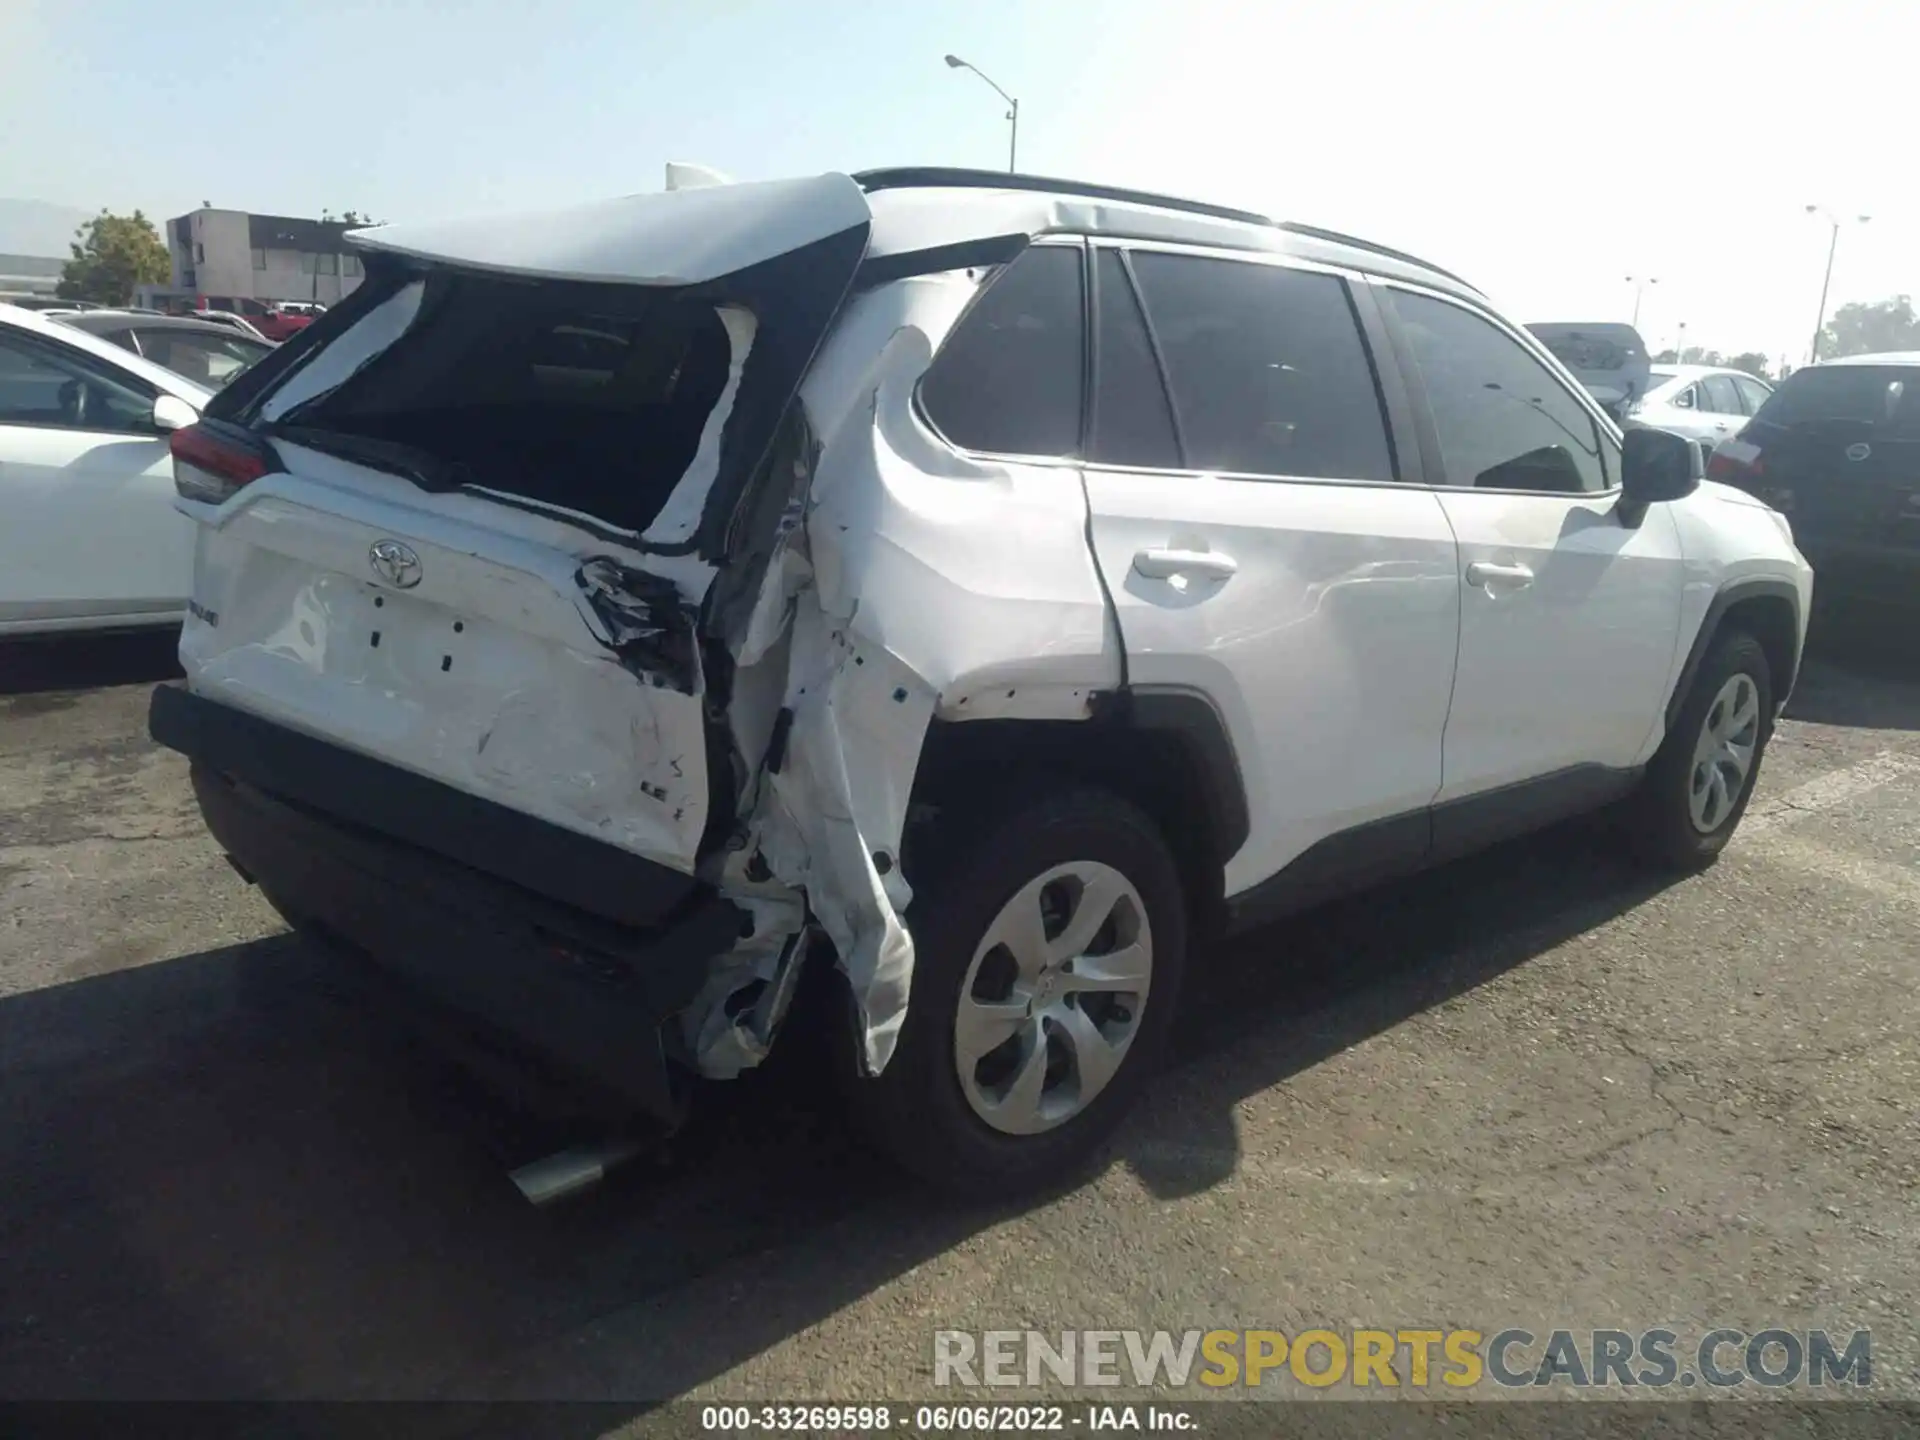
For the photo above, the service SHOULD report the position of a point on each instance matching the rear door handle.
(1165, 564)
(1487, 575)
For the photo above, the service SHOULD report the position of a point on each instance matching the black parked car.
(1836, 449)
(198, 349)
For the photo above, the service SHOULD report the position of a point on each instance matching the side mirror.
(1655, 466)
(170, 412)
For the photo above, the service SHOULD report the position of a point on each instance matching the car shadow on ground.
(85, 662)
(229, 1179)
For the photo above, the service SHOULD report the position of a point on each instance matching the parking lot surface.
(1537, 1088)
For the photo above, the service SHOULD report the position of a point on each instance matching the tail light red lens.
(214, 463)
(1730, 470)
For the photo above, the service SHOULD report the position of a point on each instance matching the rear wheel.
(1697, 788)
(1049, 953)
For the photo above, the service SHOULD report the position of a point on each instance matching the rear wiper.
(424, 469)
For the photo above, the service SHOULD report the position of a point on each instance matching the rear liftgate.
(462, 657)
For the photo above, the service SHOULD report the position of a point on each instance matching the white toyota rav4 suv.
(995, 588)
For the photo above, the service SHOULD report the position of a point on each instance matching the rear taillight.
(213, 462)
(1730, 466)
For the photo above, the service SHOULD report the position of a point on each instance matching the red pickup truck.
(274, 319)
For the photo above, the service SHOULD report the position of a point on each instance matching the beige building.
(261, 257)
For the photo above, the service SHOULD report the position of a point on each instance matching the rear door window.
(1008, 381)
(1722, 397)
(1504, 421)
(1267, 367)
(1752, 392)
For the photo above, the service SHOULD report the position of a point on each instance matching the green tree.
(1751, 361)
(1862, 329)
(111, 255)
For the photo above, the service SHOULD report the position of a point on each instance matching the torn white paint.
(348, 354)
(830, 819)
(678, 519)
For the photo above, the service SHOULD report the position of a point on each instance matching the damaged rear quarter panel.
(939, 584)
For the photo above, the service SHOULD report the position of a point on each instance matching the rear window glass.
(592, 398)
(1886, 397)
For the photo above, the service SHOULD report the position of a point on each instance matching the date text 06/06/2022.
(941, 1419)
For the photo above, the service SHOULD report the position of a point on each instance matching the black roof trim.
(1334, 237)
(927, 177)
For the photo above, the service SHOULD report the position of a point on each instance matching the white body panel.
(1567, 664)
(90, 539)
(676, 237)
(493, 674)
(90, 535)
(1329, 651)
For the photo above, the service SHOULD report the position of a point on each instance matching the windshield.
(1881, 396)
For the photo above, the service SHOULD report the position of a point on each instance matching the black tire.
(915, 1109)
(1659, 822)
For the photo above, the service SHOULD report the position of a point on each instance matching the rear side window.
(1008, 380)
(1883, 397)
(1132, 424)
(1268, 371)
(1504, 422)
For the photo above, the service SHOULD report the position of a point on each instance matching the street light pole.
(1820, 323)
(1013, 109)
(1639, 289)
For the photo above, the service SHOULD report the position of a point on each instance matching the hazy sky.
(1544, 152)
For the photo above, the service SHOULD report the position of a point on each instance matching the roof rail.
(1334, 237)
(934, 176)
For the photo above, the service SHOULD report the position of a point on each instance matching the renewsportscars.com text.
(1418, 1358)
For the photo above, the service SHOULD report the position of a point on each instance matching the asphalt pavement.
(1536, 1088)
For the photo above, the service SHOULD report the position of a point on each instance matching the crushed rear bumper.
(499, 918)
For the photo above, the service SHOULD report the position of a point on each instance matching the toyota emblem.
(1859, 451)
(395, 562)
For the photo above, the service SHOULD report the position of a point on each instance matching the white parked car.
(91, 538)
(995, 588)
(1700, 402)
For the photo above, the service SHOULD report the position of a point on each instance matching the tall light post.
(1680, 346)
(1834, 244)
(1013, 107)
(1640, 288)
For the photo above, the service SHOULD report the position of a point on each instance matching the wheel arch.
(1765, 607)
(1167, 750)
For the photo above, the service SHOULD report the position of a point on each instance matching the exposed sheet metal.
(650, 630)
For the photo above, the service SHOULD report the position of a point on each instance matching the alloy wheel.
(1052, 1000)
